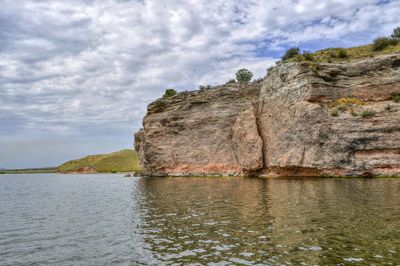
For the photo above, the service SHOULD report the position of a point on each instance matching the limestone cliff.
(201, 133)
(295, 124)
(302, 138)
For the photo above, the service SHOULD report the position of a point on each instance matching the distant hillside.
(29, 170)
(120, 161)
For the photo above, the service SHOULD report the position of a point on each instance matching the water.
(108, 219)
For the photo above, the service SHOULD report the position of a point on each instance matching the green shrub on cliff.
(335, 113)
(396, 97)
(342, 53)
(308, 56)
(291, 53)
(169, 93)
(243, 75)
(339, 53)
(382, 43)
(205, 87)
(368, 114)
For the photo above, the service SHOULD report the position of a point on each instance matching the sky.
(76, 76)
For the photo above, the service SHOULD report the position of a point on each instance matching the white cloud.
(69, 66)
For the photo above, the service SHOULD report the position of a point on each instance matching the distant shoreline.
(53, 170)
(30, 171)
(123, 161)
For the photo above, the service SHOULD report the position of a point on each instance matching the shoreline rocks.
(83, 170)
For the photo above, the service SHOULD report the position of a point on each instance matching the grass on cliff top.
(120, 161)
(331, 55)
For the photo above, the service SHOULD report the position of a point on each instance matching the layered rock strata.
(293, 124)
(202, 133)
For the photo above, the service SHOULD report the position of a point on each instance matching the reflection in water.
(280, 221)
(104, 219)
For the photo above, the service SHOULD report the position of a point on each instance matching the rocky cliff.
(201, 133)
(305, 119)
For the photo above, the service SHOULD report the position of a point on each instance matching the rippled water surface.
(109, 219)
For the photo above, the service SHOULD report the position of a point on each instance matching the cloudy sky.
(76, 75)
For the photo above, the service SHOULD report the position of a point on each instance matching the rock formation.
(293, 124)
(302, 138)
(192, 133)
(83, 170)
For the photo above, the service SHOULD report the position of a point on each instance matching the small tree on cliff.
(244, 75)
(169, 93)
(396, 33)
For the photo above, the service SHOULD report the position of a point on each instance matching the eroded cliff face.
(284, 128)
(302, 138)
(202, 133)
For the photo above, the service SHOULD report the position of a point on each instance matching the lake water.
(109, 219)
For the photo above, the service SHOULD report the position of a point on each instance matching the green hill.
(120, 161)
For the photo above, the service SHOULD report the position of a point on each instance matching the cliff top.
(203, 95)
(325, 64)
(331, 55)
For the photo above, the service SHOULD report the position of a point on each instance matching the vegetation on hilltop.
(121, 161)
(231, 81)
(293, 52)
(331, 55)
(205, 87)
(381, 45)
(169, 93)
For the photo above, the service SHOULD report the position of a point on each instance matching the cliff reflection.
(280, 221)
